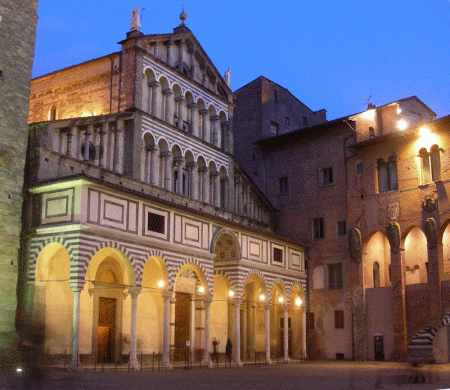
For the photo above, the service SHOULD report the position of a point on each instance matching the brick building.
(17, 35)
(361, 193)
(142, 233)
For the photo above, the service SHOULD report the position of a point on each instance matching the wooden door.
(106, 330)
(182, 315)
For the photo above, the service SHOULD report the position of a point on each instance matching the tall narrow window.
(52, 114)
(335, 276)
(283, 185)
(339, 319)
(425, 169)
(318, 228)
(387, 174)
(376, 274)
(392, 171)
(435, 158)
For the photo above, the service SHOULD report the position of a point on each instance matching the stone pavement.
(323, 375)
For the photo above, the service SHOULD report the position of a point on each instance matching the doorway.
(378, 347)
(182, 315)
(106, 330)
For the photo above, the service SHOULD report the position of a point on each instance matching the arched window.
(430, 164)
(392, 171)
(425, 171)
(52, 114)
(376, 274)
(435, 158)
(387, 174)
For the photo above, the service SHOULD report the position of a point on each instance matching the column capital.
(166, 153)
(167, 91)
(154, 84)
(237, 301)
(192, 49)
(134, 291)
(152, 148)
(168, 42)
(207, 299)
(166, 295)
(214, 117)
(204, 111)
(214, 173)
(179, 160)
(191, 164)
(192, 105)
(180, 98)
(203, 169)
(76, 285)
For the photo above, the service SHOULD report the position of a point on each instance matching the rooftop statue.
(226, 76)
(135, 20)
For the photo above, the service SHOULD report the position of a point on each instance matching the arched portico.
(106, 307)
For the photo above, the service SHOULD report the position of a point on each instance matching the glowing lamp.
(281, 299)
(160, 284)
(201, 289)
(402, 124)
(262, 297)
(298, 301)
(231, 293)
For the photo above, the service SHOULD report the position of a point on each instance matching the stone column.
(398, 293)
(193, 120)
(155, 98)
(134, 292)
(180, 55)
(180, 113)
(101, 150)
(167, 170)
(240, 196)
(180, 165)
(216, 188)
(205, 131)
(205, 186)
(120, 141)
(145, 163)
(76, 286)
(286, 333)
(237, 330)
(166, 295)
(168, 117)
(215, 130)
(204, 78)
(155, 49)
(304, 353)
(268, 359)
(87, 134)
(435, 260)
(193, 180)
(72, 130)
(154, 165)
(191, 50)
(168, 56)
(224, 130)
(207, 302)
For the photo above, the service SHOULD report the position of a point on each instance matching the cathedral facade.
(142, 234)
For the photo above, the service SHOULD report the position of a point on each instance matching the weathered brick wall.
(80, 90)
(17, 37)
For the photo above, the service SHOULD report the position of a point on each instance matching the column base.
(207, 363)
(134, 364)
(240, 364)
(73, 366)
(286, 361)
(167, 365)
(269, 361)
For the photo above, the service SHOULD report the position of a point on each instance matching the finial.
(183, 16)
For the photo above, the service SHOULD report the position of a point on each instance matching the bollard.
(141, 361)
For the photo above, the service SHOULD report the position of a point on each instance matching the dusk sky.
(336, 55)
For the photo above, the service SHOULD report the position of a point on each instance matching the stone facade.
(136, 207)
(17, 36)
(366, 194)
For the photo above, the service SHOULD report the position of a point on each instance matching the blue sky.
(329, 54)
